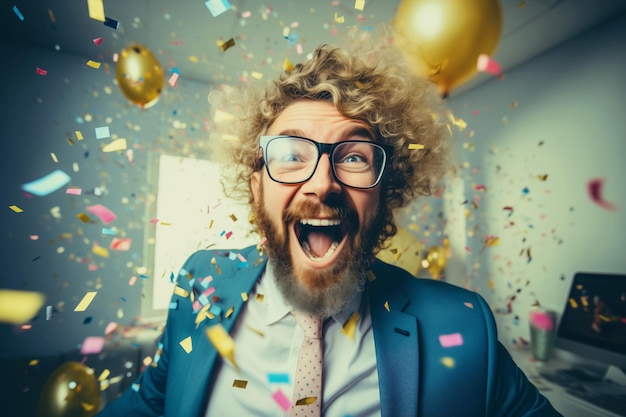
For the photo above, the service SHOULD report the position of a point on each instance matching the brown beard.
(320, 292)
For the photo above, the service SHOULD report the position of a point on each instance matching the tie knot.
(311, 325)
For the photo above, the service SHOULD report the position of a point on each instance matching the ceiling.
(183, 34)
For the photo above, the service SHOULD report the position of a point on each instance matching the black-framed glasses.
(294, 159)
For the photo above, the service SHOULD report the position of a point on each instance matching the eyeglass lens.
(293, 160)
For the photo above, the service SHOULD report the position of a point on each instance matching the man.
(323, 156)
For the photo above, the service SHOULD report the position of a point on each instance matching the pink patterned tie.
(307, 390)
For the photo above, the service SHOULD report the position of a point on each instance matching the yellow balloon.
(71, 391)
(436, 257)
(139, 75)
(442, 39)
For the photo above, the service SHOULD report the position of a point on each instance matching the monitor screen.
(593, 324)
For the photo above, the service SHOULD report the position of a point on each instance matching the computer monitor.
(593, 324)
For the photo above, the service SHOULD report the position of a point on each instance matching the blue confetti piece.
(172, 277)
(112, 23)
(243, 264)
(123, 299)
(47, 184)
(18, 13)
(87, 320)
(135, 387)
(215, 310)
(175, 70)
(174, 305)
(525, 190)
(203, 299)
(217, 7)
(144, 276)
(106, 231)
(275, 378)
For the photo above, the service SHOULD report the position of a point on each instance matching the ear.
(255, 186)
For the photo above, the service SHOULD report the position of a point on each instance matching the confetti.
(87, 299)
(306, 401)
(186, 344)
(172, 80)
(222, 342)
(96, 9)
(116, 145)
(93, 64)
(349, 327)
(97, 41)
(92, 344)
(16, 209)
(100, 251)
(488, 65)
(226, 45)
(18, 13)
(244, 296)
(359, 4)
(47, 184)
(416, 146)
(339, 19)
(451, 340)
(102, 132)
(83, 217)
(448, 362)
(74, 191)
(18, 307)
(181, 291)
(112, 23)
(287, 65)
(120, 243)
(282, 400)
(103, 213)
(594, 187)
(217, 7)
(278, 378)
(104, 375)
(40, 71)
(240, 383)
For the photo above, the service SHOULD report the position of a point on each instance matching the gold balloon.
(139, 75)
(403, 250)
(71, 391)
(442, 39)
(436, 258)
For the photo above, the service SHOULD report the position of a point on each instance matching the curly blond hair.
(368, 80)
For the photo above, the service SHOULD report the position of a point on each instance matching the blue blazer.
(408, 317)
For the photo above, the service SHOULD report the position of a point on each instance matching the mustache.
(310, 209)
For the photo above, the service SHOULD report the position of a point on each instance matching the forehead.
(318, 120)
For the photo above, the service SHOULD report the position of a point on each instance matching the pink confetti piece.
(132, 280)
(172, 80)
(451, 340)
(120, 243)
(154, 220)
(281, 400)
(594, 187)
(229, 234)
(97, 41)
(34, 237)
(106, 215)
(488, 65)
(40, 71)
(246, 14)
(111, 327)
(92, 267)
(241, 257)
(92, 344)
(74, 191)
(478, 187)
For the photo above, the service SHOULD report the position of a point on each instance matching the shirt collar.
(278, 307)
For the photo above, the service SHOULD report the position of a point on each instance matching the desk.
(564, 404)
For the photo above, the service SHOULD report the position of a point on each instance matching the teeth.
(321, 222)
(329, 252)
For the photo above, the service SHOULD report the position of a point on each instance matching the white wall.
(563, 115)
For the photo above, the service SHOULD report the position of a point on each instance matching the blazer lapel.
(202, 362)
(397, 353)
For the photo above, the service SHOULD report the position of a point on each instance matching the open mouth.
(319, 238)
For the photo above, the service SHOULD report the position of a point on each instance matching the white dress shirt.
(267, 339)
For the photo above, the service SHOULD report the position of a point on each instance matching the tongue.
(319, 243)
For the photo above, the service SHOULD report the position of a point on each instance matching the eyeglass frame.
(324, 148)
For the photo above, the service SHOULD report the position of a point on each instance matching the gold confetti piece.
(87, 299)
(87, 407)
(223, 343)
(287, 65)
(257, 75)
(244, 296)
(96, 9)
(165, 223)
(202, 314)
(186, 344)
(222, 116)
(54, 157)
(229, 312)
(513, 104)
(542, 177)
(100, 251)
(448, 362)
(16, 209)
(70, 141)
(370, 276)
(387, 306)
(339, 19)
(349, 328)
(240, 383)
(83, 217)
(359, 4)
(226, 45)
(33, 362)
(521, 5)
(104, 375)
(306, 401)
(93, 64)
(18, 307)
(147, 360)
(104, 385)
(116, 145)
(213, 261)
(573, 303)
(416, 146)
(181, 291)
(233, 217)
(257, 331)
(78, 134)
(51, 15)
(260, 297)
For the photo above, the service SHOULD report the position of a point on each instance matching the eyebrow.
(352, 131)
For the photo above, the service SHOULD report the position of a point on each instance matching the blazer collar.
(396, 338)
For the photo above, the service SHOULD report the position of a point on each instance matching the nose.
(323, 182)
